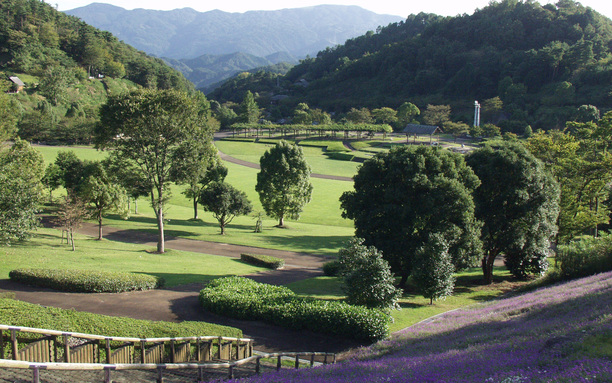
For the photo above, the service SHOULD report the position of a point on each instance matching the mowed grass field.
(320, 229)
(46, 251)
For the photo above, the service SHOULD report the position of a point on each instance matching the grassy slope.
(561, 333)
(415, 308)
(16, 313)
(176, 267)
(320, 230)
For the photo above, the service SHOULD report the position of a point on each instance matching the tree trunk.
(71, 239)
(100, 227)
(161, 245)
(403, 280)
(135, 206)
(195, 208)
(281, 222)
(159, 214)
(487, 268)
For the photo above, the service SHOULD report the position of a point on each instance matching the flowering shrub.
(555, 334)
(86, 281)
(244, 298)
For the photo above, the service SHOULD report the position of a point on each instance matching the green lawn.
(415, 308)
(176, 267)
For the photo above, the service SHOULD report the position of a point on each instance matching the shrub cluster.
(585, 257)
(86, 281)
(263, 260)
(243, 298)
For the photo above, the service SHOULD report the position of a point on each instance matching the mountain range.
(260, 37)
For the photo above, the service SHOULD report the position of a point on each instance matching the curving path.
(253, 165)
(180, 303)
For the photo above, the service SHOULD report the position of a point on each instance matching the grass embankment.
(16, 313)
(468, 291)
(45, 251)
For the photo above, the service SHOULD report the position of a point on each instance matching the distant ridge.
(186, 33)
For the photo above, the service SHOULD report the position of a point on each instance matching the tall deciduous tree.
(198, 166)
(283, 182)
(146, 127)
(225, 203)
(437, 114)
(407, 113)
(249, 111)
(21, 171)
(518, 202)
(404, 196)
(102, 195)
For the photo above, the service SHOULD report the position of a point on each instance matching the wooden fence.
(40, 349)
(45, 346)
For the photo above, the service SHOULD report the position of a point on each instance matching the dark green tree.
(21, 171)
(403, 197)
(518, 203)
(434, 271)
(437, 115)
(283, 182)
(406, 114)
(52, 179)
(249, 111)
(225, 203)
(146, 127)
(197, 166)
(101, 195)
(367, 277)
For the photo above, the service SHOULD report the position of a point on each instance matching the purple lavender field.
(561, 333)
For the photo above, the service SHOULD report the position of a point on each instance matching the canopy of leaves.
(368, 280)
(402, 197)
(225, 203)
(283, 182)
(518, 203)
(21, 171)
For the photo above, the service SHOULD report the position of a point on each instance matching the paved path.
(180, 303)
(253, 165)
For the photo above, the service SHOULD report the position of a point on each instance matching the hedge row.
(244, 298)
(86, 281)
(263, 260)
(17, 313)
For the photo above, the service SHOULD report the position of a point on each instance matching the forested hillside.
(543, 62)
(68, 68)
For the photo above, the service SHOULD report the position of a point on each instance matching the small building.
(18, 85)
(415, 130)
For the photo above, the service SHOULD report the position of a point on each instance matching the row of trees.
(430, 210)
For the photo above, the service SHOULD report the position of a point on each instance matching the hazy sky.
(393, 7)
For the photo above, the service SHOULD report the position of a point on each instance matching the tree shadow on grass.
(304, 243)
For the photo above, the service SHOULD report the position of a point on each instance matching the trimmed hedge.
(263, 260)
(243, 298)
(86, 281)
(17, 313)
(331, 268)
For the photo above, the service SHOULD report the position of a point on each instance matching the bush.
(331, 268)
(86, 281)
(263, 260)
(367, 276)
(243, 298)
(585, 257)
